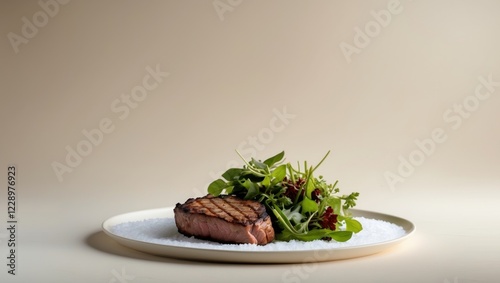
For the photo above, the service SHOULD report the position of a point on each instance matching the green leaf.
(293, 219)
(350, 200)
(252, 176)
(294, 215)
(229, 189)
(273, 160)
(285, 235)
(309, 205)
(252, 189)
(232, 173)
(283, 221)
(335, 203)
(310, 186)
(279, 174)
(340, 236)
(316, 234)
(266, 182)
(216, 187)
(353, 225)
(259, 165)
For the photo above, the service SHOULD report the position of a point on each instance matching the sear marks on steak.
(224, 219)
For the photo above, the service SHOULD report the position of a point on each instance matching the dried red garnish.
(329, 219)
(292, 189)
(315, 195)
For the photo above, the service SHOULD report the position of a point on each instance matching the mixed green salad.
(302, 207)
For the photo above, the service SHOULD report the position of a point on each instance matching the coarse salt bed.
(163, 231)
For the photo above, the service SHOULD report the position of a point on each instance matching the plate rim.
(409, 228)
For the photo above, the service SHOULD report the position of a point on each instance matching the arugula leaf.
(310, 185)
(340, 236)
(275, 159)
(304, 207)
(309, 205)
(216, 187)
(335, 203)
(278, 174)
(253, 189)
(294, 215)
(232, 173)
(229, 189)
(353, 225)
(260, 165)
(266, 182)
(317, 234)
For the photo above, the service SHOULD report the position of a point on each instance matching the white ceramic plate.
(189, 252)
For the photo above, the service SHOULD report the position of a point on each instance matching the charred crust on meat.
(206, 217)
(229, 210)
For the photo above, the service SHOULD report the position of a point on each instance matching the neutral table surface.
(61, 241)
(120, 106)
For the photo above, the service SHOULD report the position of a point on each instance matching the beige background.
(230, 72)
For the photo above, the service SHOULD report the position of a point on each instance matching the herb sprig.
(303, 207)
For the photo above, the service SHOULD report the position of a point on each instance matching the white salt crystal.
(163, 231)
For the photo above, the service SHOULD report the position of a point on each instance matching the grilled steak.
(225, 219)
